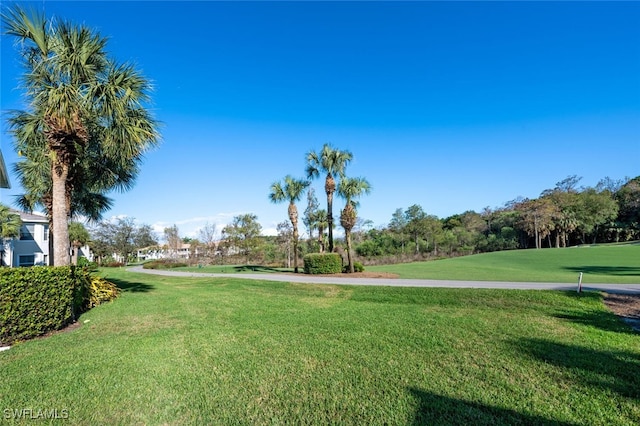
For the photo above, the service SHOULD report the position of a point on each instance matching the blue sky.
(454, 106)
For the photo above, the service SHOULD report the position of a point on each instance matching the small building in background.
(31, 248)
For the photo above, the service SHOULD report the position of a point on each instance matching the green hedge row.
(34, 301)
(322, 263)
(163, 264)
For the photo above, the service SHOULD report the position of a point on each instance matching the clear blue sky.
(450, 105)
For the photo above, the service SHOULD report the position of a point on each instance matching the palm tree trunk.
(295, 248)
(330, 187)
(330, 220)
(347, 234)
(293, 217)
(59, 214)
(74, 256)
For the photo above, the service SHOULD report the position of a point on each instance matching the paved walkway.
(398, 282)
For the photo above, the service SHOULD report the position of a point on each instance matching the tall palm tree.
(81, 104)
(349, 189)
(333, 162)
(10, 224)
(290, 190)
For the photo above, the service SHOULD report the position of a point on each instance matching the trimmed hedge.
(34, 301)
(37, 300)
(322, 263)
(163, 264)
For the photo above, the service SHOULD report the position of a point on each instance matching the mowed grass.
(613, 264)
(193, 351)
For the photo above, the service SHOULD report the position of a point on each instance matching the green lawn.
(613, 264)
(231, 351)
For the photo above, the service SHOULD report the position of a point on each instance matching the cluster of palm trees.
(86, 127)
(332, 162)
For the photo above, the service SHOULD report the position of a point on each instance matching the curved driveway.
(398, 282)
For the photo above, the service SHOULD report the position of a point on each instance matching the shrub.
(113, 264)
(83, 262)
(322, 263)
(357, 267)
(163, 264)
(100, 291)
(34, 301)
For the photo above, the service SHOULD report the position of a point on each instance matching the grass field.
(611, 264)
(231, 351)
(614, 264)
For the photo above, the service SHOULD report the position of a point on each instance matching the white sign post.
(580, 283)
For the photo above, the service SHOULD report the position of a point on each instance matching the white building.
(163, 252)
(32, 246)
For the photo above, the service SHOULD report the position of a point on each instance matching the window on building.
(46, 233)
(27, 260)
(26, 232)
(46, 260)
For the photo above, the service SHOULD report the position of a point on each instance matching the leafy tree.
(333, 162)
(79, 236)
(597, 208)
(628, 198)
(398, 225)
(144, 236)
(81, 104)
(290, 190)
(537, 218)
(10, 224)
(243, 234)
(432, 231)
(120, 236)
(414, 218)
(350, 189)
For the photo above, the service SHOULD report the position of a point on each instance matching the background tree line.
(562, 216)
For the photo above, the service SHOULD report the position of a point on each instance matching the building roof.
(30, 217)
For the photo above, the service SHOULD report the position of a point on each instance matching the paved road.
(397, 282)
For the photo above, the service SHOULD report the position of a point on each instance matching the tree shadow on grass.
(603, 320)
(132, 286)
(442, 410)
(614, 370)
(619, 271)
(606, 321)
(256, 268)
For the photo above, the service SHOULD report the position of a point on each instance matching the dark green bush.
(34, 301)
(322, 263)
(163, 264)
(357, 267)
(85, 263)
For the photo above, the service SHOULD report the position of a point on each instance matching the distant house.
(156, 252)
(32, 246)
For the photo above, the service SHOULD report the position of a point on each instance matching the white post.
(580, 283)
